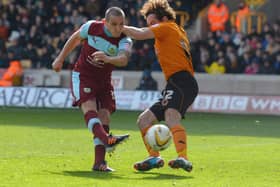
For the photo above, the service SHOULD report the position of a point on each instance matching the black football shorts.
(180, 91)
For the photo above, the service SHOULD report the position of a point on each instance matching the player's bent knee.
(145, 119)
(142, 122)
(139, 121)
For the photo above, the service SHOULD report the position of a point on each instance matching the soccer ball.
(158, 137)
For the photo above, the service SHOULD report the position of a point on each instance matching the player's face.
(115, 25)
(152, 19)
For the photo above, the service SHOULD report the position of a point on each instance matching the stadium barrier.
(230, 84)
(45, 97)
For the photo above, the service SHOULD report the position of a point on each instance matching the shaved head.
(114, 11)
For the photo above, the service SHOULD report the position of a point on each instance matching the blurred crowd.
(227, 49)
(37, 30)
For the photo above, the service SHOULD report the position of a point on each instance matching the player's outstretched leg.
(149, 163)
(114, 140)
(103, 167)
(181, 162)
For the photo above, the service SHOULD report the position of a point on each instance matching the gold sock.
(180, 140)
(149, 149)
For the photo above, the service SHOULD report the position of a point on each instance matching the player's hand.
(125, 30)
(98, 58)
(57, 65)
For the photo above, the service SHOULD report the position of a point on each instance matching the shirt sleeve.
(84, 29)
(160, 30)
(125, 44)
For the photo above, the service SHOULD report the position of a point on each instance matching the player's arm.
(138, 33)
(74, 40)
(121, 59)
(98, 58)
(72, 43)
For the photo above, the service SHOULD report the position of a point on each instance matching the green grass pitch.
(52, 147)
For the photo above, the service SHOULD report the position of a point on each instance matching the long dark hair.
(160, 8)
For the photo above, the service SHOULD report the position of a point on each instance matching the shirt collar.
(107, 32)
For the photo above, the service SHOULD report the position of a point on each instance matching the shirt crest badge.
(87, 90)
(112, 51)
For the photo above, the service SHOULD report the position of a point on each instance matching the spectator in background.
(243, 48)
(246, 59)
(147, 82)
(272, 47)
(77, 19)
(156, 65)
(226, 41)
(133, 18)
(31, 20)
(146, 56)
(276, 64)
(204, 59)
(252, 68)
(253, 42)
(44, 60)
(4, 28)
(242, 12)
(266, 67)
(211, 46)
(15, 48)
(67, 24)
(258, 56)
(217, 67)
(30, 53)
(4, 63)
(266, 29)
(3, 54)
(236, 37)
(233, 65)
(218, 15)
(12, 75)
(276, 29)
